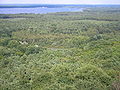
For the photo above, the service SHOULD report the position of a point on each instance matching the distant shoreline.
(53, 5)
(47, 8)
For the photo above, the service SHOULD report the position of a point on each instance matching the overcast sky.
(59, 1)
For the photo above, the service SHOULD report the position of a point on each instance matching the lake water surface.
(38, 10)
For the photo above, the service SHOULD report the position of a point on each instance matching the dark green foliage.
(61, 51)
(13, 44)
(91, 73)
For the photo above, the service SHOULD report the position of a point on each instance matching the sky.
(59, 1)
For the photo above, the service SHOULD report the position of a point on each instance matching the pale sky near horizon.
(59, 1)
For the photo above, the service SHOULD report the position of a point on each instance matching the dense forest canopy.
(61, 51)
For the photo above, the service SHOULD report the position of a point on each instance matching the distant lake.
(37, 9)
